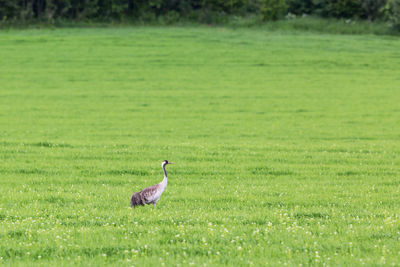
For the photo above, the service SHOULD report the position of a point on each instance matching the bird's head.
(165, 162)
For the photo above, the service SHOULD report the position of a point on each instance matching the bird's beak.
(170, 163)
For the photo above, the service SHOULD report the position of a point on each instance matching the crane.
(151, 194)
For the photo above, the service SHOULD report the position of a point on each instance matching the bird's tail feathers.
(136, 200)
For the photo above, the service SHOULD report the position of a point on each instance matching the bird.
(151, 194)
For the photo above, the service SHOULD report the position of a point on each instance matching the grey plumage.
(145, 196)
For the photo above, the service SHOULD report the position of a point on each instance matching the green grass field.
(286, 147)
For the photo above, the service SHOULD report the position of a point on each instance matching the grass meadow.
(285, 144)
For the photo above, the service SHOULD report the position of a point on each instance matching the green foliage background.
(197, 10)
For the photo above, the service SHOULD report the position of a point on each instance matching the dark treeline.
(203, 11)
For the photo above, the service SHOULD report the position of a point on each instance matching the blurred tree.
(300, 7)
(273, 9)
(373, 9)
(393, 13)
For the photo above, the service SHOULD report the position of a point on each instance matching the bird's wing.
(150, 192)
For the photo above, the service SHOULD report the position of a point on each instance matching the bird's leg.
(154, 203)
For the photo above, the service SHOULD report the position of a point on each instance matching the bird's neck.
(164, 181)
